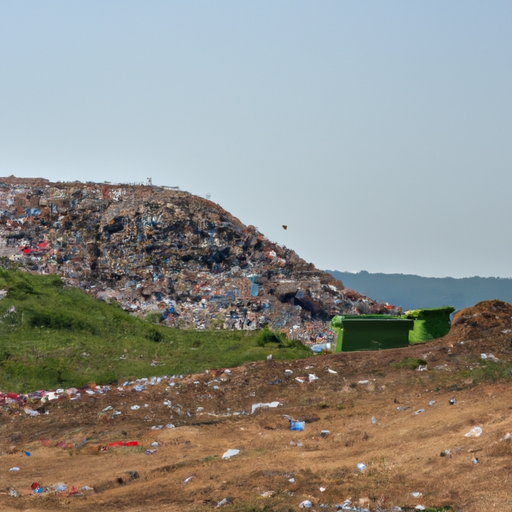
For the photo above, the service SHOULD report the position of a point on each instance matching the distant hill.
(410, 291)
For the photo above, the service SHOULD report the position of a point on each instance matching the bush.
(266, 336)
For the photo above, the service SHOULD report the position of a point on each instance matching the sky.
(379, 132)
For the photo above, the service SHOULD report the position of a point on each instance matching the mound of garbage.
(162, 251)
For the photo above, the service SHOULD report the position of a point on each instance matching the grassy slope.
(62, 337)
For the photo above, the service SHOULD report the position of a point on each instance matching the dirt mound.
(485, 319)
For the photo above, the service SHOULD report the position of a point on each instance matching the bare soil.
(277, 468)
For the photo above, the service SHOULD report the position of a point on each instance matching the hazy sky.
(380, 132)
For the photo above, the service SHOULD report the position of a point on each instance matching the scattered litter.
(261, 405)
(60, 487)
(288, 372)
(225, 501)
(298, 379)
(331, 371)
(422, 368)
(321, 489)
(490, 357)
(135, 407)
(109, 408)
(453, 401)
(431, 403)
(169, 425)
(474, 460)
(28, 454)
(416, 494)
(149, 452)
(363, 382)
(419, 411)
(374, 420)
(231, 453)
(13, 493)
(506, 437)
(324, 433)
(297, 425)
(31, 412)
(189, 479)
(474, 432)
(86, 488)
(14, 469)
(269, 357)
(275, 382)
(361, 467)
(312, 377)
(306, 504)
(446, 453)
(267, 494)
(154, 445)
(291, 480)
(419, 507)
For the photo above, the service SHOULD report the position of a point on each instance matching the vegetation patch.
(52, 336)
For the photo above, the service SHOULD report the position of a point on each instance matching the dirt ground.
(276, 468)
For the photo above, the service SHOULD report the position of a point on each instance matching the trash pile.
(162, 251)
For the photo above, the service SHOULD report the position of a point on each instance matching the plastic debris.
(263, 405)
(419, 411)
(324, 433)
(422, 368)
(288, 372)
(419, 507)
(28, 454)
(154, 445)
(374, 420)
(474, 460)
(298, 379)
(361, 467)
(306, 504)
(230, 453)
(453, 401)
(14, 469)
(446, 453)
(291, 480)
(363, 382)
(312, 377)
(431, 403)
(225, 501)
(13, 493)
(332, 371)
(416, 494)
(321, 489)
(60, 487)
(474, 432)
(149, 452)
(506, 437)
(189, 479)
(297, 425)
(135, 407)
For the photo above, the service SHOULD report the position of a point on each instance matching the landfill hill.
(167, 253)
(426, 427)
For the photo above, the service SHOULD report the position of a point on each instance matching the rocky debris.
(164, 251)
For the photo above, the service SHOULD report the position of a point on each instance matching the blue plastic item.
(297, 425)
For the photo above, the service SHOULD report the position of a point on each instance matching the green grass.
(489, 371)
(60, 337)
